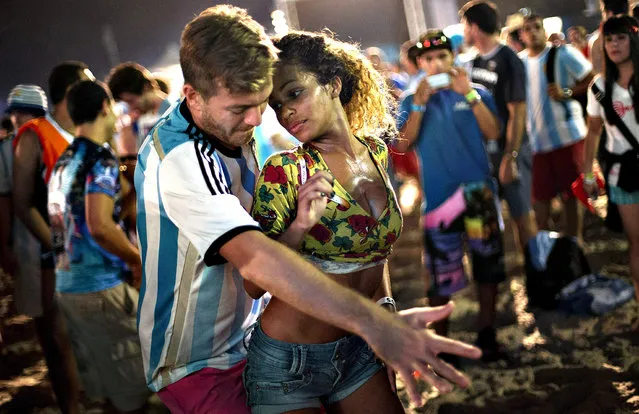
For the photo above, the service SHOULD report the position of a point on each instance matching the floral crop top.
(347, 238)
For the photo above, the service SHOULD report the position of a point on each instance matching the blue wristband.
(417, 108)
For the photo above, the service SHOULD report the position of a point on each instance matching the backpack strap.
(551, 63)
(616, 119)
(599, 94)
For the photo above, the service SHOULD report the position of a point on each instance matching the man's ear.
(105, 107)
(194, 99)
(335, 87)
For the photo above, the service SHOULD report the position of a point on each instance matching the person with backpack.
(556, 127)
(612, 101)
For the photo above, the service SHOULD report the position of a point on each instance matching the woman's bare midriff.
(283, 322)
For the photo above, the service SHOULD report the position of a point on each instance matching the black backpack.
(565, 263)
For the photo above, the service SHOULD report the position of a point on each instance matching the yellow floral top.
(347, 238)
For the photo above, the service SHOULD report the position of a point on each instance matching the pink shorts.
(209, 390)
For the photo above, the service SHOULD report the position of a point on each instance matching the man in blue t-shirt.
(447, 122)
(92, 254)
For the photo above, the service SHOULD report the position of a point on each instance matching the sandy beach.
(557, 363)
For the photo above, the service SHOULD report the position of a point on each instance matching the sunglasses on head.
(433, 42)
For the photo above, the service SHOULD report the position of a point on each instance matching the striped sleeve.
(198, 201)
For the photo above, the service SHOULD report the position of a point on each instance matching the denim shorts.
(282, 376)
(517, 194)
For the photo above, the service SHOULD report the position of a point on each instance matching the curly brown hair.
(365, 97)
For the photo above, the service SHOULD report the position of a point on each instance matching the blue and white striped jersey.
(193, 196)
(551, 124)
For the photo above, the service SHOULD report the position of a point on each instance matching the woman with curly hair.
(331, 200)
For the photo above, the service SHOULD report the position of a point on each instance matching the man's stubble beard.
(228, 137)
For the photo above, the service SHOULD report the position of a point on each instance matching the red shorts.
(210, 390)
(555, 171)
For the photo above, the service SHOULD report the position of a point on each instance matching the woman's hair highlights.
(365, 97)
(621, 25)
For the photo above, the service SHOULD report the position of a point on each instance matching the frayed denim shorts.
(281, 376)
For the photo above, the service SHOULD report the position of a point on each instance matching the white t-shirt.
(623, 105)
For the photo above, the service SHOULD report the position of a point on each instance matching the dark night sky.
(37, 34)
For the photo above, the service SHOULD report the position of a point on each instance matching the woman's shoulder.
(285, 158)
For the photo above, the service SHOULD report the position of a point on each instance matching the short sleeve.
(197, 199)
(594, 108)
(404, 110)
(488, 100)
(275, 199)
(575, 62)
(104, 177)
(515, 84)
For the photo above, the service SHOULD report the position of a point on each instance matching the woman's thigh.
(375, 396)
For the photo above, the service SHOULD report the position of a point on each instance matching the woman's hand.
(312, 200)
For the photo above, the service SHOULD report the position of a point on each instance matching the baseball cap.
(27, 98)
(434, 39)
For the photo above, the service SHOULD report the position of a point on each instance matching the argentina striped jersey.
(193, 196)
(552, 124)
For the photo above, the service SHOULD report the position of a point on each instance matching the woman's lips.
(295, 127)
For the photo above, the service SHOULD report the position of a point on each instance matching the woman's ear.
(336, 87)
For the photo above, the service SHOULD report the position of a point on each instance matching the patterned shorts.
(477, 223)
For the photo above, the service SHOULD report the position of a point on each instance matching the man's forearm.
(286, 275)
(115, 241)
(515, 128)
(581, 88)
(35, 223)
(488, 123)
(410, 131)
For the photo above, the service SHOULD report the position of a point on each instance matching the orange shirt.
(53, 141)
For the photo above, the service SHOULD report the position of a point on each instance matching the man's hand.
(423, 92)
(508, 171)
(407, 346)
(136, 274)
(592, 189)
(312, 200)
(459, 81)
(557, 93)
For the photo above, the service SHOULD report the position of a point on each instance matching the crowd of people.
(157, 255)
